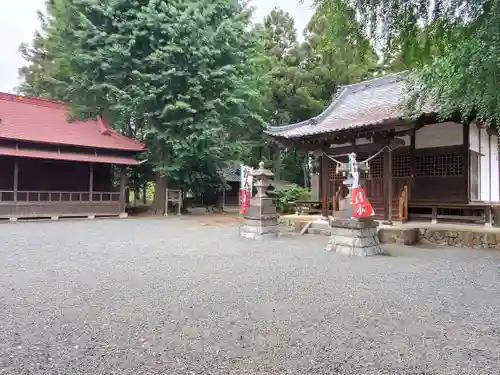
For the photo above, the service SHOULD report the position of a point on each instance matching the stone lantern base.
(260, 227)
(354, 237)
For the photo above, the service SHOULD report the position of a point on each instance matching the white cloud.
(18, 23)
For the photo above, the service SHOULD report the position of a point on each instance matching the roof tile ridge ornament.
(104, 128)
(49, 103)
(113, 132)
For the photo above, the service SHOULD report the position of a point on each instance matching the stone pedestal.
(260, 228)
(354, 237)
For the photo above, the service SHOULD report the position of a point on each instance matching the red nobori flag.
(361, 207)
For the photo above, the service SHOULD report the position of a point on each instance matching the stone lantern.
(261, 219)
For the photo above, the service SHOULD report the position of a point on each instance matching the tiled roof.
(231, 173)
(45, 121)
(362, 104)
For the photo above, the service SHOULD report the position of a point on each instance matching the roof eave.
(316, 120)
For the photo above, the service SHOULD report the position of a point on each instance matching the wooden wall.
(54, 175)
(433, 162)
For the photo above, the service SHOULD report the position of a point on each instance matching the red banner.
(245, 200)
(361, 207)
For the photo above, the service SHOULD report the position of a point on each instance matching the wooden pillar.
(412, 153)
(480, 172)
(388, 185)
(324, 186)
(489, 167)
(91, 181)
(16, 177)
(466, 158)
(123, 182)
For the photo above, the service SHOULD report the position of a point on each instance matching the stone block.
(469, 239)
(261, 222)
(491, 239)
(365, 232)
(354, 237)
(411, 236)
(386, 236)
(298, 226)
(257, 236)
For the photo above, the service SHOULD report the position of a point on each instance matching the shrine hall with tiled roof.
(359, 105)
(42, 121)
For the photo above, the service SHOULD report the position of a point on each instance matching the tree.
(306, 75)
(47, 73)
(340, 42)
(176, 74)
(452, 44)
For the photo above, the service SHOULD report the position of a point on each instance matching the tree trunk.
(158, 205)
(144, 193)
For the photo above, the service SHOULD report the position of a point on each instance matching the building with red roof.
(52, 167)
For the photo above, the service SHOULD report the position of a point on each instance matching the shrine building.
(430, 170)
(52, 168)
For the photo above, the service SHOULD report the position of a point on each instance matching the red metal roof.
(70, 156)
(45, 121)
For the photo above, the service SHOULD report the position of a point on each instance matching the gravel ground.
(170, 296)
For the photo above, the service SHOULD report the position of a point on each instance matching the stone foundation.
(354, 237)
(469, 239)
(267, 227)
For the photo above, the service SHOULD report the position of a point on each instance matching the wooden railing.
(22, 196)
(403, 204)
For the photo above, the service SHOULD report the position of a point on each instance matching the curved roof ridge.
(343, 91)
(312, 120)
(356, 105)
(377, 81)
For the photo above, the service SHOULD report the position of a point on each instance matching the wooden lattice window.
(377, 166)
(439, 165)
(332, 173)
(401, 165)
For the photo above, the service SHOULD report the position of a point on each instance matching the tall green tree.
(306, 74)
(47, 72)
(453, 44)
(177, 73)
(341, 43)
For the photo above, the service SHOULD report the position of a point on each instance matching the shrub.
(285, 198)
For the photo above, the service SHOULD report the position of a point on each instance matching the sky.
(18, 23)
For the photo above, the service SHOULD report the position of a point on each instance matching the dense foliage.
(286, 197)
(454, 45)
